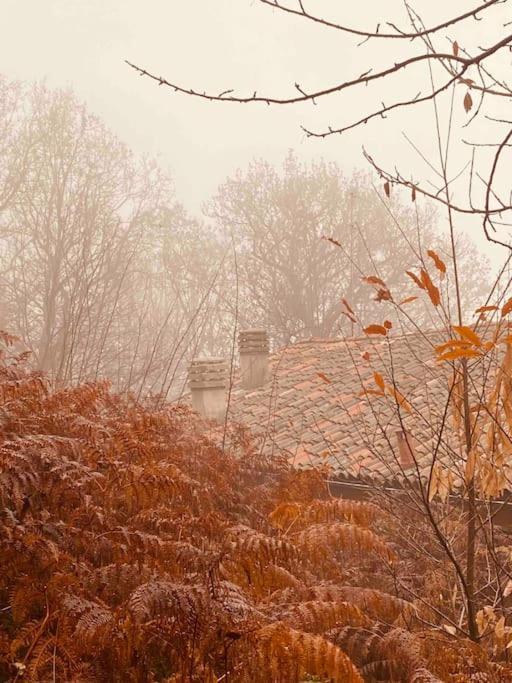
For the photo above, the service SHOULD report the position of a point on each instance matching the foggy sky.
(215, 45)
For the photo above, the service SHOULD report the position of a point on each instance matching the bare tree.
(474, 75)
(101, 270)
(291, 281)
(73, 231)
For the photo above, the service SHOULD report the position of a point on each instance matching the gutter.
(500, 509)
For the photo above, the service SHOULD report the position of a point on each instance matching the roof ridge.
(337, 340)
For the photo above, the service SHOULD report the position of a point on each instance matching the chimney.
(254, 349)
(207, 379)
(405, 445)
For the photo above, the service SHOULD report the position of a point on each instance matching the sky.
(220, 44)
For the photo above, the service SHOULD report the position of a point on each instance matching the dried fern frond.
(135, 549)
(319, 616)
(158, 599)
(341, 537)
(284, 654)
(264, 548)
(298, 515)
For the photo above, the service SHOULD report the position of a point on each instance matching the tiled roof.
(312, 408)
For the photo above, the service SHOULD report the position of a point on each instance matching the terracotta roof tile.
(299, 412)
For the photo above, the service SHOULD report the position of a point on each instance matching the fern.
(135, 549)
(284, 654)
(318, 617)
(294, 514)
(341, 537)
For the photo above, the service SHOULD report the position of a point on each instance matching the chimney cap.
(253, 341)
(207, 373)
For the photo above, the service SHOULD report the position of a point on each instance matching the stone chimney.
(208, 379)
(254, 349)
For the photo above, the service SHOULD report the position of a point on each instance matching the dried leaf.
(455, 48)
(452, 343)
(374, 280)
(507, 307)
(365, 355)
(439, 263)
(485, 309)
(458, 353)
(399, 398)
(499, 629)
(324, 377)
(388, 324)
(432, 290)
(468, 102)
(383, 295)
(413, 194)
(468, 334)
(387, 188)
(416, 279)
(376, 329)
(408, 300)
(379, 380)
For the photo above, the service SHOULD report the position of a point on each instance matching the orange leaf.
(365, 355)
(468, 334)
(484, 309)
(408, 300)
(376, 329)
(468, 102)
(379, 380)
(507, 307)
(374, 280)
(400, 398)
(453, 343)
(388, 324)
(458, 353)
(324, 377)
(440, 265)
(432, 290)
(383, 295)
(416, 279)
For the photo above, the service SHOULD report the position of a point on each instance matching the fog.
(215, 46)
(255, 341)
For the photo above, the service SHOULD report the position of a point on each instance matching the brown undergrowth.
(135, 549)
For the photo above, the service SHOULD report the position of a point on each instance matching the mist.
(255, 341)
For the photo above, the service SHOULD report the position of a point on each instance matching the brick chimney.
(254, 351)
(208, 379)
